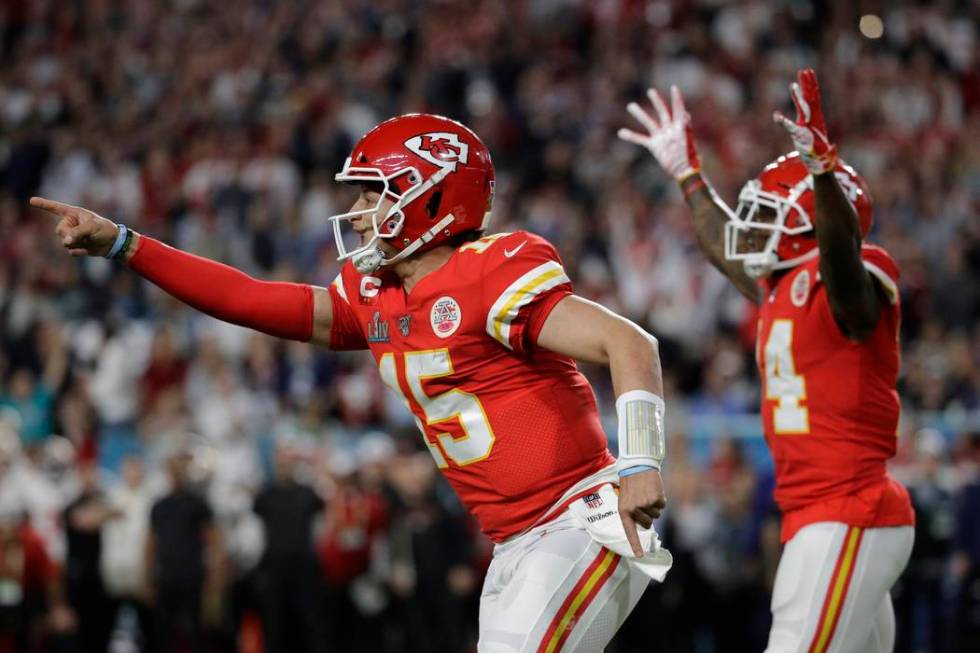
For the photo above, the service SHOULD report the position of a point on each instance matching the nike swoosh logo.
(510, 252)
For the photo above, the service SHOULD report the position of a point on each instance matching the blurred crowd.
(168, 482)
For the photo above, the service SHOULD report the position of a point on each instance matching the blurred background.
(171, 483)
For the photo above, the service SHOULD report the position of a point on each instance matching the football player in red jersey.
(828, 353)
(479, 337)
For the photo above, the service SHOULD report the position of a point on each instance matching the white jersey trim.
(519, 294)
(338, 283)
(886, 281)
(607, 474)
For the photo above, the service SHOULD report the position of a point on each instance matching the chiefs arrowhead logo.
(443, 149)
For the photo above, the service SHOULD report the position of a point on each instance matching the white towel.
(598, 513)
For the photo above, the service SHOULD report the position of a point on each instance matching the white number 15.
(452, 406)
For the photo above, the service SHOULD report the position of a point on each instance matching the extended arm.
(850, 287)
(671, 141)
(588, 332)
(710, 213)
(285, 310)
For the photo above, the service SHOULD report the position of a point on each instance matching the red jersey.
(829, 405)
(512, 426)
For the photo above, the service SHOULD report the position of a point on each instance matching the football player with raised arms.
(478, 334)
(827, 351)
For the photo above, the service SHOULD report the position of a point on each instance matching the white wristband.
(642, 438)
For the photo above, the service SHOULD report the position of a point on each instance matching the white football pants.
(831, 591)
(554, 589)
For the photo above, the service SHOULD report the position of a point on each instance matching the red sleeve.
(284, 310)
(345, 330)
(884, 270)
(524, 281)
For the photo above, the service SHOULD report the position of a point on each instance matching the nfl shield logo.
(593, 500)
(404, 325)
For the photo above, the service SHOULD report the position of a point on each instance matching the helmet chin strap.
(374, 258)
(370, 261)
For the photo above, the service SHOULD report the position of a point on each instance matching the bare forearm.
(593, 334)
(837, 229)
(851, 290)
(634, 362)
(710, 216)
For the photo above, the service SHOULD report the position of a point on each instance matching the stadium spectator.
(182, 560)
(32, 608)
(32, 398)
(124, 542)
(288, 575)
(348, 550)
(966, 553)
(921, 591)
(84, 518)
(432, 560)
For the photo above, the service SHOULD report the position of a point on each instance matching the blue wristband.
(120, 241)
(635, 469)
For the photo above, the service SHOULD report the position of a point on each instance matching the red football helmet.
(772, 227)
(437, 172)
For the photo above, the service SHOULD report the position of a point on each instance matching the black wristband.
(125, 246)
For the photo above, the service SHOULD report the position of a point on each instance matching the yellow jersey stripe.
(519, 294)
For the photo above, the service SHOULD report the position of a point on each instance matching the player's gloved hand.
(809, 132)
(670, 138)
(82, 232)
(641, 500)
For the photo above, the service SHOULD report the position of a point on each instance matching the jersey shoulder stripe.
(338, 283)
(520, 293)
(891, 289)
(883, 268)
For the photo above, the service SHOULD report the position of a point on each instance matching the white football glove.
(670, 138)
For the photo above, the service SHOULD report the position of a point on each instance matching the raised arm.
(588, 332)
(670, 139)
(285, 310)
(851, 288)
(710, 213)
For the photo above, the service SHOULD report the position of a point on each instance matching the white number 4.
(783, 384)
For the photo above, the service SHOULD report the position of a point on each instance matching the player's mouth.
(754, 241)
